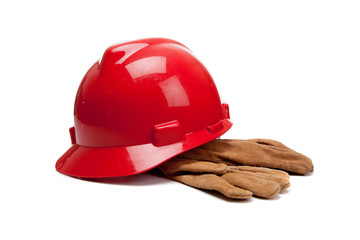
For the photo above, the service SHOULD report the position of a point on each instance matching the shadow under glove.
(238, 182)
(253, 152)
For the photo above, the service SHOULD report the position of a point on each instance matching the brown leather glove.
(253, 152)
(239, 182)
(218, 165)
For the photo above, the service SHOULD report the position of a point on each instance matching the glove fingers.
(213, 182)
(280, 177)
(294, 161)
(177, 164)
(290, 161)
(263, 170)
(261, 187)
(255, 152)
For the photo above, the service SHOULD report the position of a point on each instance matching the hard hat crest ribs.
(145, 102)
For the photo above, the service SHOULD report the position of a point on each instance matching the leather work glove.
(219, 165)
(238, 182)
(253, 152)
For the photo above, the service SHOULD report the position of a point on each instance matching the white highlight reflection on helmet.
(146, 66)
(174, 92)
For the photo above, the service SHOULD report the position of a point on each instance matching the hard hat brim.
(97, 162)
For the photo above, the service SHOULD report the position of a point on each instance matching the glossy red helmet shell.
(144, 103)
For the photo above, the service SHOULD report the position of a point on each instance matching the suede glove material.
(238, 182)
(253, 152)
(238, 168)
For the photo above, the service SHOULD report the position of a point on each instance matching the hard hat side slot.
(167, 133)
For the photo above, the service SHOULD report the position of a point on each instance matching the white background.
(288, 69)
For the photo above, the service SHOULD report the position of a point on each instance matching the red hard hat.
(144, 103)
